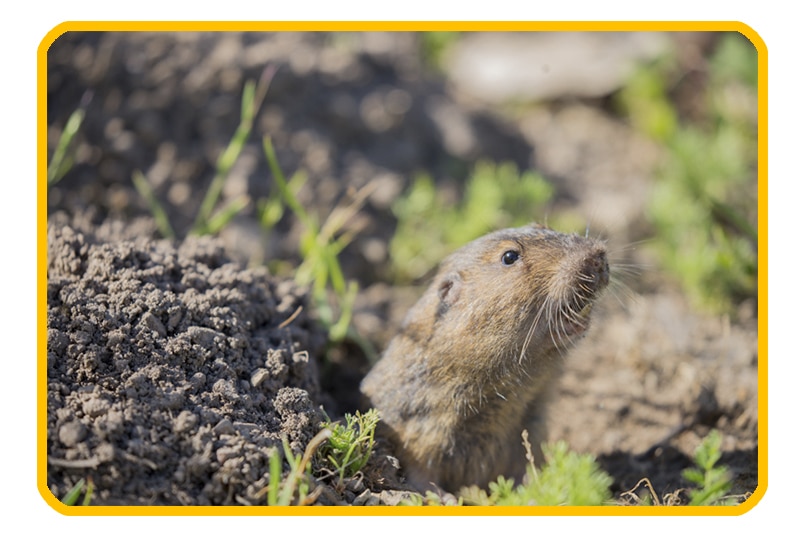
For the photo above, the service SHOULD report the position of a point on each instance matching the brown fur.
(476, 357)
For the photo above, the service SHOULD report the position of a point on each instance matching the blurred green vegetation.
(320, 247)
(63, 157)
(712, 482)
(704, 206)
(430, 225)
(434, 46)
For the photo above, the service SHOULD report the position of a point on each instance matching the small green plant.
(429, 226)
(72, 496)
(62, 159)
(320, 247)
(704, 204)
(713, 483)
(350, 445)
(280, 491)
(566, 479)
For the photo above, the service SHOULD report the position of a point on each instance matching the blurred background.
(354, 162)
(642, 138)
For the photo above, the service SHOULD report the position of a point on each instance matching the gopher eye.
(509, 257)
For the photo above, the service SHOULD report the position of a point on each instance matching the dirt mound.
(172, 371)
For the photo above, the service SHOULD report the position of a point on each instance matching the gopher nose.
(594, 270)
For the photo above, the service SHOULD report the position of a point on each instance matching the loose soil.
(176, 367)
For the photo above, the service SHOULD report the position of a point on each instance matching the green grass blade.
(87, 498)
(221, 219)
(160, 216)
(287, 492)
(340, 330)
(224, 165)
(280, 180)
(334, 270)
(270, 212)
(61, 162)
(72, 495)
(275, 467)
(248, 101)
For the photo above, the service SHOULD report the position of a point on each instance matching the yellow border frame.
(41, 245)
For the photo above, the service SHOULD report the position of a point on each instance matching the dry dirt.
(174, 368)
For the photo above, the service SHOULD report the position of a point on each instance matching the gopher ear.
(449, 290)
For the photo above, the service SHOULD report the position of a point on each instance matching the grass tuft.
(350, 445)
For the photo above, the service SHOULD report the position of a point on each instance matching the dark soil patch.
(171, 377)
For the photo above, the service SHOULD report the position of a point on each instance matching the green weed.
(713, 483)
(350, 445)
(429, 226)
